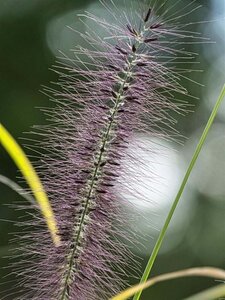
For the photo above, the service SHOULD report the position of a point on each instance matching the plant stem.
(181, 189)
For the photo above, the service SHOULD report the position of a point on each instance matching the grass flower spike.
(123, 82)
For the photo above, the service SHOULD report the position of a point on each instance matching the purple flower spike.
(125, 87)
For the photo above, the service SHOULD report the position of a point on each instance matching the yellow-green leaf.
(26, 168)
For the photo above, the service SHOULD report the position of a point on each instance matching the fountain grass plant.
(119, 84)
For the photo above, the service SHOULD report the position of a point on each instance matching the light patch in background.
(152, 169)
(215, 54)
(215, 30)
(215, 80)
(152, 173)
(208, 175)
(117, 13)
(60, 36)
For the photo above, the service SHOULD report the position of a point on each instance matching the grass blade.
(15, 187)
(203, 272)
(26, 168)
(183, 184)
(217, 292)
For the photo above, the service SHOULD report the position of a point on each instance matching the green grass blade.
(26, 168)
(183, 184)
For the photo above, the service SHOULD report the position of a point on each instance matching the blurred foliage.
(25, 61)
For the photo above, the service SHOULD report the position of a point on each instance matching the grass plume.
(121, 83)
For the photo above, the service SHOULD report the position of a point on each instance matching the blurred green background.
(31, 33)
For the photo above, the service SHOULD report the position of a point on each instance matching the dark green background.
(25, 59)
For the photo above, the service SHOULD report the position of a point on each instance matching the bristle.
(121, 50)
(134, 49)
(155, 26)
(132, 30)
(150, 40)
(148, 15)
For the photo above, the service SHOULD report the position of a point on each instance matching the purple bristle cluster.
(123, 85)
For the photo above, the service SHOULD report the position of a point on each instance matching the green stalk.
(178, 196)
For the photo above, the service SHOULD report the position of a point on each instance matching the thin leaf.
(217, 292)
(180, 192)
(26, 168)
(204, 272)
(15, 187)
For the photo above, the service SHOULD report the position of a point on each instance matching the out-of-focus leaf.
(217, 292)
(15, 187)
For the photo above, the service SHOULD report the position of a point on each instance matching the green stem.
(183, 184)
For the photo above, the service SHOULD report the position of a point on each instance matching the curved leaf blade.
(203, 272)
(26, 168)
